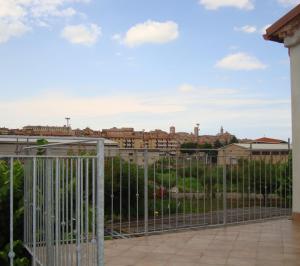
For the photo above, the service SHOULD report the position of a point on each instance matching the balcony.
(180, 207)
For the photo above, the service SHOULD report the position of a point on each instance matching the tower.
(68, 121)
(222, 130)
(172, 130)
(196, 130)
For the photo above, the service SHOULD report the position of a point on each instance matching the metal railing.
(154, 191)
(67, 211)
(63, 219)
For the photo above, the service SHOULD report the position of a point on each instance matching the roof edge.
(270, 32)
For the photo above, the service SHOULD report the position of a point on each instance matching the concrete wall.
(293, 43)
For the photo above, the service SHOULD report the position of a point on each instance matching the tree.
(217, 144)
(40, 142)
(22, 258)
(234, 140)
(189, 147)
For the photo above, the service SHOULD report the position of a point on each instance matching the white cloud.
(240, 61)
(25, 14)
(151, 32)
(11, 29)
(246, 29)
(82, 34)
(216, 4)
(288, 3)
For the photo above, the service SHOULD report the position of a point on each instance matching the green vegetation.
(21, 255)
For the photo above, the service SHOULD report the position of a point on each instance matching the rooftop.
(264, 146)
(284, 27)
(268, 140)
(275, 243)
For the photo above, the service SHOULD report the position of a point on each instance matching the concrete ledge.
(296, 216)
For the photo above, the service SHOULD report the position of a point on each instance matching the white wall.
(294, 44)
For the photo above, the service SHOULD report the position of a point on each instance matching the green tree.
(217, 144)
(234, 140)
(40, 142)
(21, 257)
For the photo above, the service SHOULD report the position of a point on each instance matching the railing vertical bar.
(81, 209)
(154, 196)
(57, 211)
(162, 194)
(11, 253)
(211, 191)
(169, 192)
(111, 196)
(78, 188)
(146, 191)
(260, 182)
(121, 196)
(204, 189)
(71, 207)
(62, 214)
(67, 213)
(191, 195)
(224, 190)
(238, 192)
(285, 181)
(34, 213)
(249, 191)
(266, 188)
(243, 189)
(254, 187)
(137, 198)
(177, 190)
(25, 205)
(271, 187)
(87, 209)
(231, 191)
(218, 196)
(128, 196)
(198, 193)
(184, 191)
(100, 203)
(93, 211)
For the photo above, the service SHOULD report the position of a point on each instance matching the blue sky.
(146, 64)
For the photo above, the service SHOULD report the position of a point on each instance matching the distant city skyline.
(145, 64)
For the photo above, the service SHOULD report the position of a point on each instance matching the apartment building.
(129, 138)
(47, 131)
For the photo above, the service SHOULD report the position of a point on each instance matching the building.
(268, 141)
(287, 31)
(47, 131)
(270, 152)
(4, 131)
(172, 130)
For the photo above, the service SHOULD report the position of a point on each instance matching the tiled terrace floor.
(268, 243)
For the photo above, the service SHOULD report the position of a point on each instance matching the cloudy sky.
(146, 64)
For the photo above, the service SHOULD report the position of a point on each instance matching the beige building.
(274, 153)
(128, 138)
(47, 131)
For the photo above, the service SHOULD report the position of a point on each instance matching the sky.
(145, 64)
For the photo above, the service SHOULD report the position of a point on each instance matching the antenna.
(68, 121)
